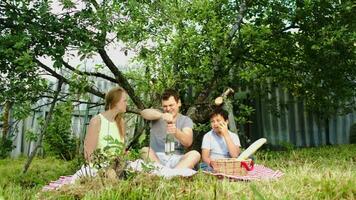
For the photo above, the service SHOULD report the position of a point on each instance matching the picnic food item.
(251, 149)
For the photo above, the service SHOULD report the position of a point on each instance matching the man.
(174, 123)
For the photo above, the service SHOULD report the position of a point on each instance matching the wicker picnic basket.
(232, 166)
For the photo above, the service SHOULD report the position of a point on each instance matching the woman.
(108, 123)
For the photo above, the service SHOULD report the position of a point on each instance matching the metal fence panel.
(294, 125)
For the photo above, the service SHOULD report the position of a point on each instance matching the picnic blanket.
(84, 171)
(259, 173)
(63, 180)
(160, 170)
(137, 165)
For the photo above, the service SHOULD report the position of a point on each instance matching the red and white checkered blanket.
(54, 185)
(259, 172)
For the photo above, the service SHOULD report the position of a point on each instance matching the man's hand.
(168, 117)
(171, 128)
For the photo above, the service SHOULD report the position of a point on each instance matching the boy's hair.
(220, 111)
(170, 93)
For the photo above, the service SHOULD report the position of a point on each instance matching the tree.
(306, 47)
(21, 84)
(199, 47)
(44, 127)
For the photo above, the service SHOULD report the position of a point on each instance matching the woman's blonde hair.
(113, 96)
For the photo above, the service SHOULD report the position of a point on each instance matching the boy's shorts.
(169, 160)
(205, 167)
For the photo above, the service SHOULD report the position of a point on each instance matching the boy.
(219, 142)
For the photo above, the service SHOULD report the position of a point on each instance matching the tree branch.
(63, 100)
(120, 78)
(61, 78)
(240, 16)
(95, 4)
(44, 128)
(289, 27)
(96, 74)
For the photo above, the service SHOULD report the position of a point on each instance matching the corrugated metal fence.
(80, 121)
(294, 125)
(81, 116)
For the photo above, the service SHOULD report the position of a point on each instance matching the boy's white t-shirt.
(217, 145)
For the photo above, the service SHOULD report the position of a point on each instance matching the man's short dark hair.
(170, 93)
(220, 111)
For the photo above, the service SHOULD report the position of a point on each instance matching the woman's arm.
(92, 137)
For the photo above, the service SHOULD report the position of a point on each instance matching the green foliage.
(202, 128)
(244, 111)
(6, 146)
(306, 48)
(18, 67)
(21, 83)
(31, 136)
(78, 84)
(199, 131)
(58, 139)
(187, 46)
(114, 156)
(21, 110)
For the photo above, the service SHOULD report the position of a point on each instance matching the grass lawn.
(311, 173)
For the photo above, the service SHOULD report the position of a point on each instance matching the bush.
(6, 147)
(59, 140)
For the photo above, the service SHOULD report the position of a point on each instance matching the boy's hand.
(212, 164)
(223, 128)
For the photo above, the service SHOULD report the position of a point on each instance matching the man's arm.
(154, 114)
(185, 136)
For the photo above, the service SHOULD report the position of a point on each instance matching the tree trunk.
(229, 108)
(6, 117)
(43, 129)
(121, 79)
